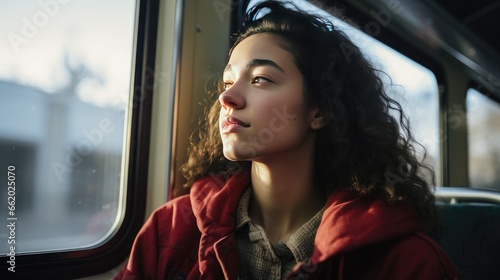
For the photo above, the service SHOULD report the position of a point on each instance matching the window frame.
(90, 261)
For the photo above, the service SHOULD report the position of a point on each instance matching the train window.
(411, 84)
(483, 116)
(65, 82)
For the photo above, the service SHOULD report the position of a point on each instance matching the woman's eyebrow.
(263, 62)
(257, 62)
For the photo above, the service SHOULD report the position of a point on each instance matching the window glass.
(65, 74)
(411, 84)
(483, 117)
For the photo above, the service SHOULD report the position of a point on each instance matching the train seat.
(470, 234)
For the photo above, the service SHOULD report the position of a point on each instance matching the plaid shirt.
(262, 260)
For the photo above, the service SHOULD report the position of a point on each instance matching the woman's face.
(263, 110)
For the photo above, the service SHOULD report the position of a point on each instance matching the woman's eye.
(227, 85)
(258, 80)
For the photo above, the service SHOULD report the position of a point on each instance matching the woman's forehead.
(261, 47)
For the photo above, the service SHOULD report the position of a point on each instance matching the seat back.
(471, 233)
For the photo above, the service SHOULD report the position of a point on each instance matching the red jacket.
(191, 237)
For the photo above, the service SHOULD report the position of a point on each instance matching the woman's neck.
(283, 194)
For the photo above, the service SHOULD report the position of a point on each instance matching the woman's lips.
(231, 124)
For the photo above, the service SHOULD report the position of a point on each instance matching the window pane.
(483, 117)
(414, 86)
(64, 86)
(416, 89)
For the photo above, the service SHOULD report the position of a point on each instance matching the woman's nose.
(231, 98)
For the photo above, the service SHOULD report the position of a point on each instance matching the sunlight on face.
(263, 109)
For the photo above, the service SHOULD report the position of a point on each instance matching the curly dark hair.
(364, 148)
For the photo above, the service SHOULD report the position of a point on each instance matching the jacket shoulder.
(167, 243)
(440, 255)
(176, 213)
(421, 256)
(414, 256)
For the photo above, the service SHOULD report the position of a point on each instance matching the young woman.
(301, 172)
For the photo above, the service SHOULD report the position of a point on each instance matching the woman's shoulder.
(176, 212)
(427, 256)
(171, 225)
(413, 256)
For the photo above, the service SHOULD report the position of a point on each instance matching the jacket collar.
(349, 222)
(214, 201)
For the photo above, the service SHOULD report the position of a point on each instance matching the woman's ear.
(318, 121)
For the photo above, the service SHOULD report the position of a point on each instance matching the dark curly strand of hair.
(363, 148)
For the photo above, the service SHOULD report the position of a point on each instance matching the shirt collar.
(300, 243)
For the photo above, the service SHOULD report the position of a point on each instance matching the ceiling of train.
(480, 16)
(474, 40)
